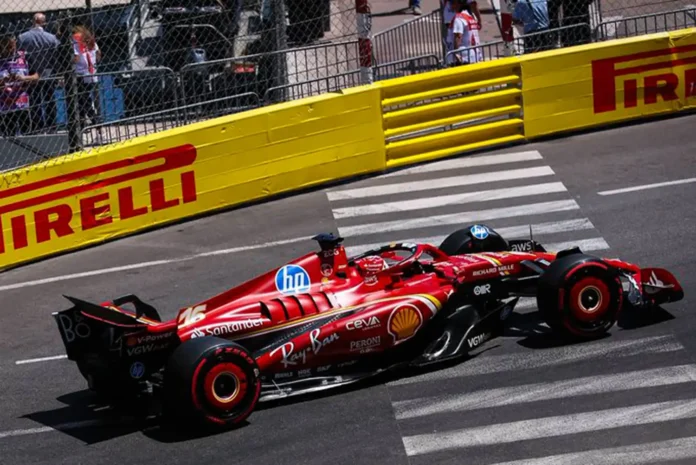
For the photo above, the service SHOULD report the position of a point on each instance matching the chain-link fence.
(91, 72)
(84, 73)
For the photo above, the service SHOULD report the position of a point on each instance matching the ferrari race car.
(326, 320)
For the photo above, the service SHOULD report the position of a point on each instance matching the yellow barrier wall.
(609, 82)
(88, 198)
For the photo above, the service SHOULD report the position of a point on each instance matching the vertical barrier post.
(280, 44)
(362, 8)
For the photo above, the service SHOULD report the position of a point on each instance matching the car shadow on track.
(535, 334)
(90, 421)
(86, 419)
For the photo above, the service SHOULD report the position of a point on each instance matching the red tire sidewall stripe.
(194, 382)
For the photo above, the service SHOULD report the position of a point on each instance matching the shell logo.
(404, 321)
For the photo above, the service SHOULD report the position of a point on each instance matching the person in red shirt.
(465, 33)
(448, 13)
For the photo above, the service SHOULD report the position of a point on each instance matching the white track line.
(468, 162)
(648, 186)
(600, 384)
(440, 183)
(42, 359)
(460, 218)
(586, 245)
(636, 454)
(48, 429)
(448, 200)
(135, 266)
(485, 365)
(548, 427)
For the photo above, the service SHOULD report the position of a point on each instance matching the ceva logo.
(292, 279)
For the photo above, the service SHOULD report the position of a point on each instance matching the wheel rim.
(225, 386)
(589, 299)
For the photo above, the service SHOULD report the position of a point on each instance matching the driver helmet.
(372, 264)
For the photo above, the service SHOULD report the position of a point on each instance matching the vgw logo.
(292, 279)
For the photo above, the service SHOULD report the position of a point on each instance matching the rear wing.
(89, 327)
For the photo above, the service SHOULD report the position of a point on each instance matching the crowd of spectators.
(34, 64)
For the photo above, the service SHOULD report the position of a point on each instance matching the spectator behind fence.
(86, 57)
(465, 34)
(40, 47)
(15, 79)
(534, 16)
(448, 14)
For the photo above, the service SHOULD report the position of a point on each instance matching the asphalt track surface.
(627, 399)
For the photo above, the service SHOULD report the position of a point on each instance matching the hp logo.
(479, 232)
(292, 279)
(137, 370)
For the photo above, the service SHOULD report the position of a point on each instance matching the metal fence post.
(362, 8)
(73, 112)
(280, 43)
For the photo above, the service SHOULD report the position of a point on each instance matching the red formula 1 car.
(325, 320)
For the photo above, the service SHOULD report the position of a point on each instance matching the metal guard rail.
(441, 116)
(688, 15)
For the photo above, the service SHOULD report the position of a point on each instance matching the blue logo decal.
(137, 370)
(479, 232)
(292, 279)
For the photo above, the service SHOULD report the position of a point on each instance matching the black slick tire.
(211, 381)
(579, 296)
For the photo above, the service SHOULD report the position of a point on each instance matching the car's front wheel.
(579, 296)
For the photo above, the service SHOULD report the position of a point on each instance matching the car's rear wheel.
(579, 296)
(473, 239)
(212, 381)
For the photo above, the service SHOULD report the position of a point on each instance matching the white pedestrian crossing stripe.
(447, 200)
(460, 219)
(548, 427)
(636, 454)
(536, 392)
(468, 162)
(441, 183)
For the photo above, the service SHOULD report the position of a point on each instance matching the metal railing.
(128, 128)
(312, 87)
(645, 24)
(416, 38)
(407, 67)
(538, 41)
(258, 72)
